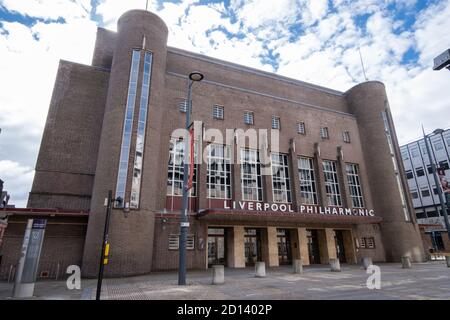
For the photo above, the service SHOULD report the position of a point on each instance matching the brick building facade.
(334, 188)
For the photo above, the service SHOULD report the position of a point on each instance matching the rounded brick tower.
(400, 232)
(132, 111)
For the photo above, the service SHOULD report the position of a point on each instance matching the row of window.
(415, 152)
(219, 185)
(420, 171)
(425, 191)
(367, 243)
(218, 114)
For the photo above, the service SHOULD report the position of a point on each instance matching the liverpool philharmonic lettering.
(276, 207)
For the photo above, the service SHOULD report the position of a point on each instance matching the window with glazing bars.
(248, 117)
(218, 112)
(175, 169)
(275, 122)
(182, 105)
(301, 129)
(331, 183)
(218, 179)
(128, 126)
(346, 136)
(281, 186)
(308, 192)
(324, 133)
(251, 175)
(140, 136)
(354, 185)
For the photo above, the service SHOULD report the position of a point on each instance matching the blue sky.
(311, 40)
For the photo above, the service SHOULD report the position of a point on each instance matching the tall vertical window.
(140, 137)
(331, 183)
(248, 117)
(128, 126)
(346, 136)
(218, 112)
(354, 185)
(276, 122)
(308, 191)
(401, 190)
(301, 129)
(251, 175)
(280, 178)
(175, 171)
(182, 105)
(324, 133)
(218, 179)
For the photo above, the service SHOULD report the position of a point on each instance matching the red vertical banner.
(191, 158)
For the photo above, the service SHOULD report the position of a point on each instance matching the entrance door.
(339, 241)
(284, 246)
(216, 246)
(313, 246)
(252, 246)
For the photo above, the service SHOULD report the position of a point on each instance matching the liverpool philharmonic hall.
(282, 169)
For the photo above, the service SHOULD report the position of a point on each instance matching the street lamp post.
(436, 179)
(184, 225)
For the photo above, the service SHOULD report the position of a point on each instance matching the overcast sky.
(310, 40)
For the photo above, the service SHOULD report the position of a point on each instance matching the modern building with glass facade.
(422, 186)
(323, 181)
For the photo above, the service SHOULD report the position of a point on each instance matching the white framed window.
(324, 133)
(405, 155)
(218, 176)
(370, 242)
(281, 186)
(308, 192)
(354, 185)
(331, 183)
(248, 117)
(438, 145)
(175, 171)
(415, 152)
(276, 122)
(182, 105)
(251, 175)
(362, 243)
(346, 136)
(218, 112)
(301, 129)
(122, 173)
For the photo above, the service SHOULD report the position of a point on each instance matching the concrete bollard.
(406, 262)
(297, 266)
(260, 269)
(366, 261)
(218, 274)
(447, 259)
(335, 265)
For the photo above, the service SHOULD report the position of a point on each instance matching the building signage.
(281, 207)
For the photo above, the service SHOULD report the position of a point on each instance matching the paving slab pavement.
(429, 280)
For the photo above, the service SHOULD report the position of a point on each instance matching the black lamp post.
(184, 225)
(436, 178)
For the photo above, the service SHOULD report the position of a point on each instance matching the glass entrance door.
(313, 246)
(339, 241)
(284, 247)
(216, 246)
(252, 243)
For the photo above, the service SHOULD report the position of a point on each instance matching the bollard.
(447, 259)
(297, 266)
(218, 274)
(260, 269)
(366, 261)
(406, 262)
(335, 265)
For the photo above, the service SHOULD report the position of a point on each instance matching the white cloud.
(49, 9)
(18, 180)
